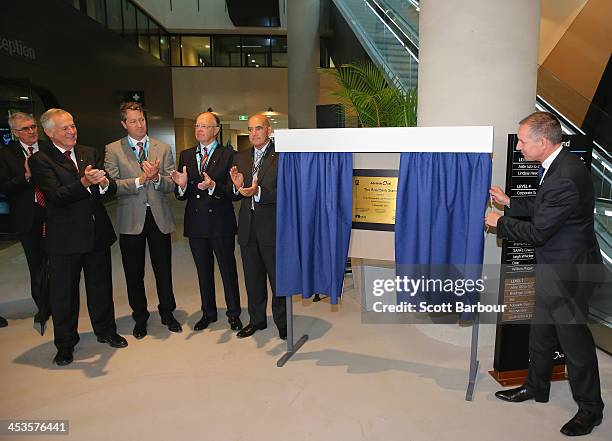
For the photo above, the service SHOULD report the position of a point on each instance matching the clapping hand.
(206, 183)
(94, 176)
(179, 178)
(151, 169)
(236, 177)
(247, 192)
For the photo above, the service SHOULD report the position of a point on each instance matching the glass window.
(256, 51)
(95, 9)
(164, 46)
(143, 30)
(279, 52)
(129, 20)
(196, 51)
(226, 50)
(154, 38)
(175, 50)
(113, 11)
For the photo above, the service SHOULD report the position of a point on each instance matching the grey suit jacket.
(121, 165)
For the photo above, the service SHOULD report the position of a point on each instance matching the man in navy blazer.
(568, 259)
(78, 235)
(210, 223)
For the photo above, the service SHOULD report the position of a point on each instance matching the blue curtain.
(313, 223)
(439, 229)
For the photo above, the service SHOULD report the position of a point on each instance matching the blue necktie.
(541, 171)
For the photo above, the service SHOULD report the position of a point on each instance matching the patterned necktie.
(69, 157)
(141, 153)
(541, 171)
(257, 162)
(40, 197)
(203, 160)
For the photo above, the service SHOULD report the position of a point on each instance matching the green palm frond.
(365, 91)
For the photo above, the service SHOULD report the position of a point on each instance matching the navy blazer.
(208, 215)
(20, 193)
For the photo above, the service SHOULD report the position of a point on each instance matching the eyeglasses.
(255, 129)
(31, 128)
(202, 126)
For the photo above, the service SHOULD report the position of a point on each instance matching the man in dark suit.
(141, 167)
(210, 223)
(567, 255)
(254, 181)
(78, 234)
(27, 204)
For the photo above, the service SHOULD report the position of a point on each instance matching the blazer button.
(197, 196)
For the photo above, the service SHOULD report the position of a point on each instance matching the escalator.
(388, 32)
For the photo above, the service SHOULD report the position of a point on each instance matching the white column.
(303, 56)
(478, 66)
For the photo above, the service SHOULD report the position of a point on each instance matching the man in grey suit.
(141, 167)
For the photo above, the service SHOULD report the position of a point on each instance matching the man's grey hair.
(544, 125)
(46, 119)
(12, 120)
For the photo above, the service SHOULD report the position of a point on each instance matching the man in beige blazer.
(141, 168)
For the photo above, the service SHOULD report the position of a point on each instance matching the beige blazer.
(121, 164)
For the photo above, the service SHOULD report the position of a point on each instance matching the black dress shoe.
(235, 323)
(520, 394)
(203, 323)
(140, 330)
(172, 324)
(282, 333)
(3, 322)
(113, 340)
(582, 423)
(249, 330)
(63, 357)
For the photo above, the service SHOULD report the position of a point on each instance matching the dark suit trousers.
(202, 249)
(32, 243)
(64, 279)
(581, 360)
(133, 247)
(259, 261)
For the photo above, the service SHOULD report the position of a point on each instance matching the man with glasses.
(27, 203)
(254, 182)
(210, 223)
(141, 167)
(78, 234)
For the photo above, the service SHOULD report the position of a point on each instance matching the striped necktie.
(40, 196)
(141, 153)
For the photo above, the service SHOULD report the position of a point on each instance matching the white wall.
(230, 91)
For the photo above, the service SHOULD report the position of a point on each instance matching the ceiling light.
(25, 98)
(207, 46)
(257, 65)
